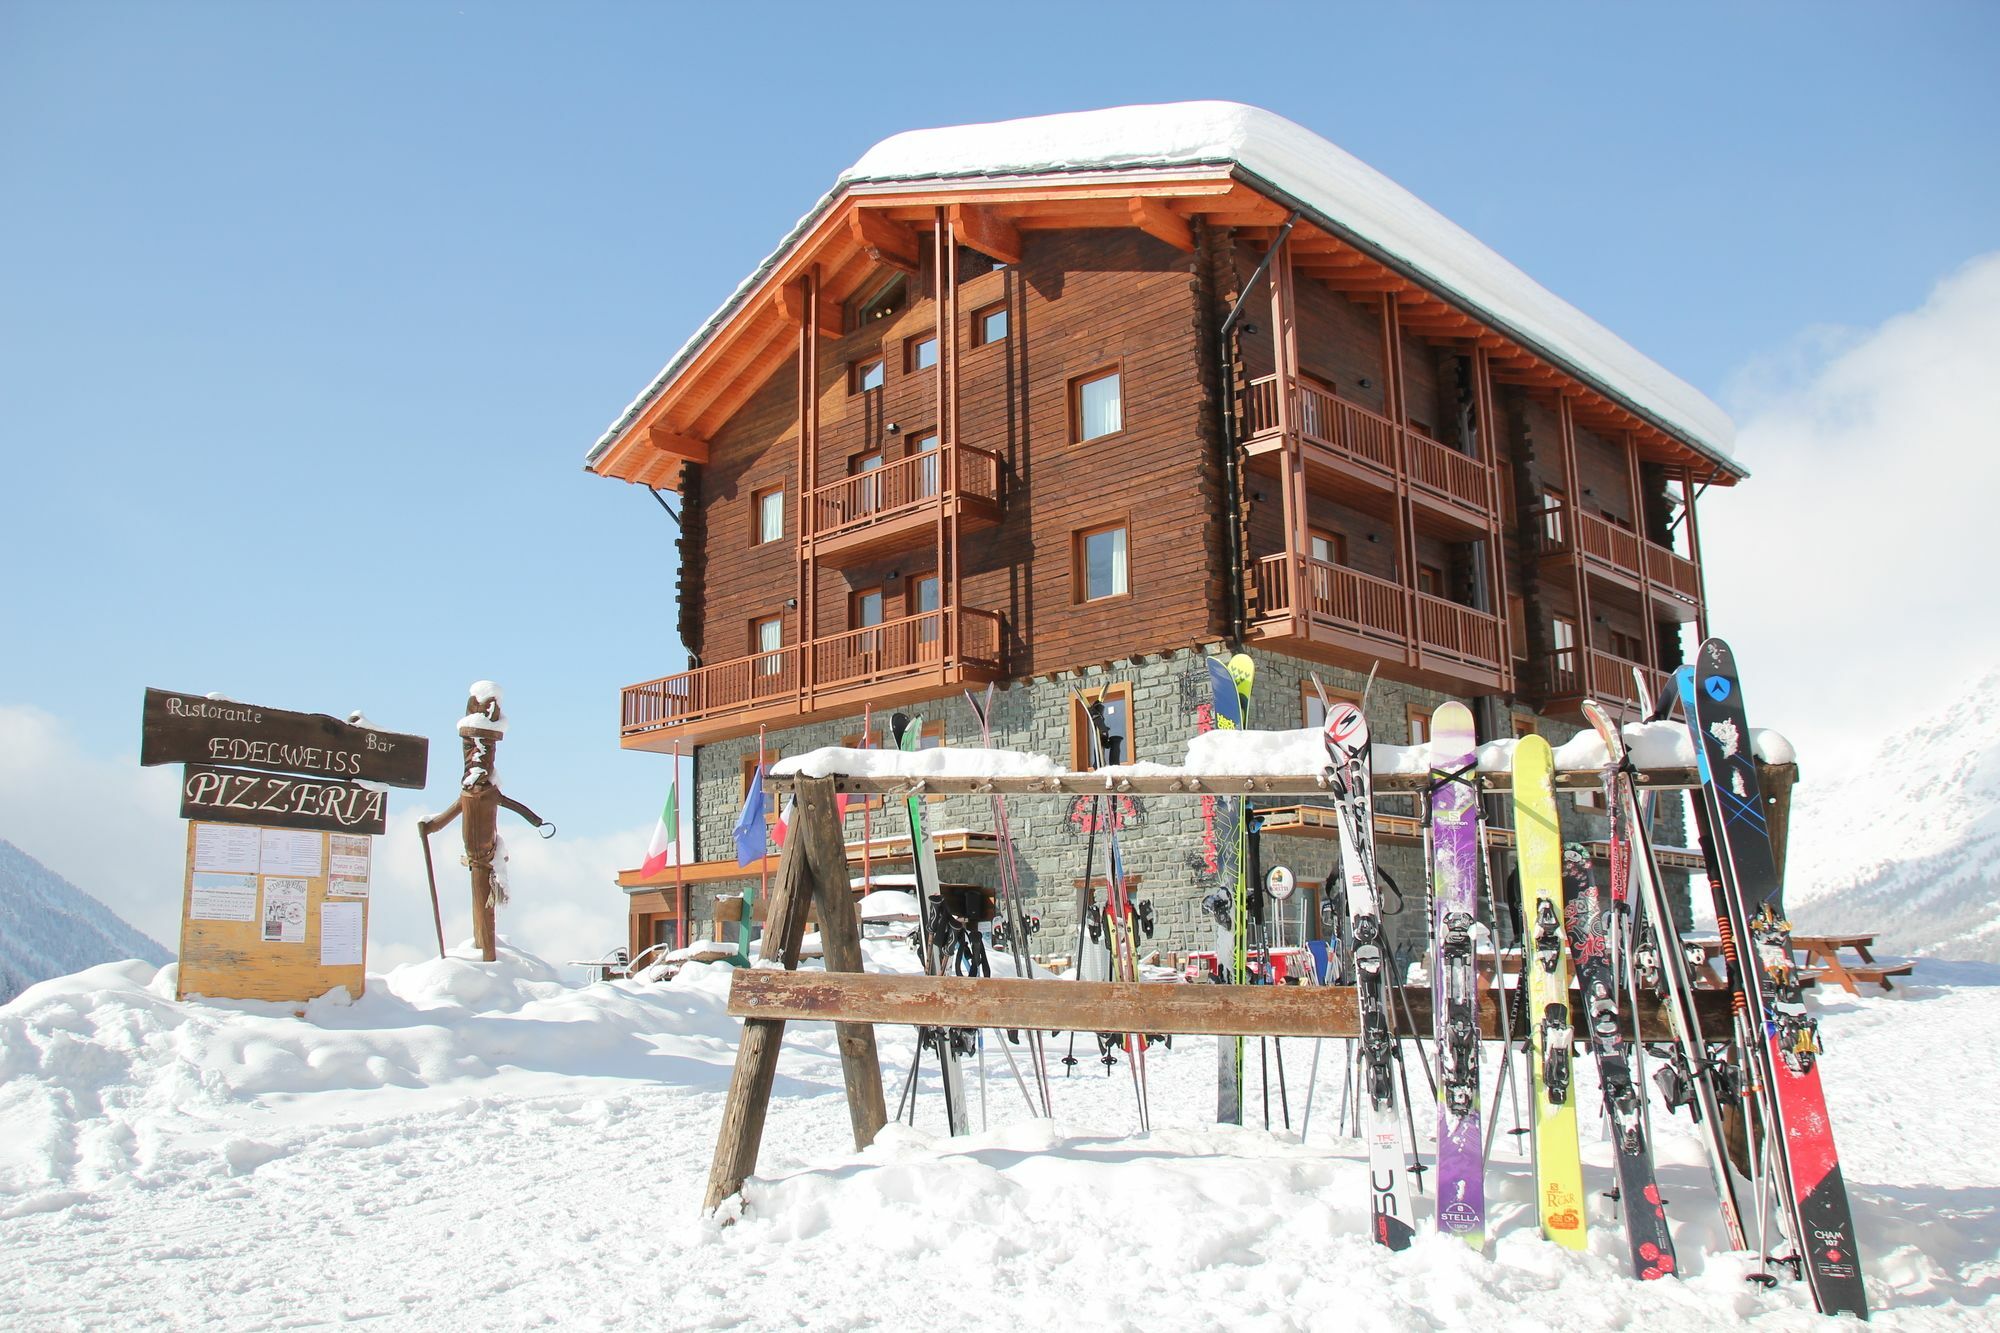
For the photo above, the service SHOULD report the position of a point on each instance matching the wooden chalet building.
(1067, 403)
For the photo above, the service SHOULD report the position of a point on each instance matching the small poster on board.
(215, 897)
(288, 851)
(341, 929)
(347, 865)
(284, 909)
(231, 848)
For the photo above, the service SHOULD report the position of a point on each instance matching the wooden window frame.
(747, 765)
(861, 319)
(1555, 515)
(1309, 700)
(1079, 744)
(1517, 626)
(757, 499)
(854, 599)
(1336, 543)
(1413, 717)
(1079, 567)
(912, 349)
(1436, 575)
(1523, 725)
(1076, 386)
(857, 371)
(980, 315)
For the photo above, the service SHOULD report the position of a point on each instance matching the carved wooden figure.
(479, 802)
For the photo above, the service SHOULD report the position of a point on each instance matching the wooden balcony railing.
(1566, 530)
(1380, 609)
(1362, 603)
(902, 487)
(911, 645)
(909, 648)
(705, 692)
(1673, 571)
(1448, 629)
(1445, 471)
(1609, 681)
(1332, 423)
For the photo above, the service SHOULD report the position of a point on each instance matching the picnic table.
(1822, 959)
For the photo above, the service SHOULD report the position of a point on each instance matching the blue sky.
(309, 312)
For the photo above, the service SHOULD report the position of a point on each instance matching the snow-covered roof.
(1332, 187)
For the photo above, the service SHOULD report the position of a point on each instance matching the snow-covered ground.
(479, 1147)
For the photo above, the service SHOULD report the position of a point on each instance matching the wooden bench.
(1823, 960)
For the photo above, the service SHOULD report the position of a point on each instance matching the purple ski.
(1454, 845)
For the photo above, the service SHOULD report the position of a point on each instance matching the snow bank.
(943, 762)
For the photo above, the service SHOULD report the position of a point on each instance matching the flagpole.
(680, 876)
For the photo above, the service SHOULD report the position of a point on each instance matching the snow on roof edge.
(1299, 167)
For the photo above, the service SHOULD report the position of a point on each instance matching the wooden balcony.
(1345, 445)
(1619, 556)
(926, 656)
(1571, 676)
(1354, 619)
(898, 505)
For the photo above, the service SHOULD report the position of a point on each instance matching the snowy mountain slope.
(1909, 845)
(477, 1147)
(49, 927)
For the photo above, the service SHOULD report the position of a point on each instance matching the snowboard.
(1545, 977)
(1349, 753)
(1453, 819)
(1757, 946)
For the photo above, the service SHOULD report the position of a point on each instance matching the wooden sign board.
(273, 913)
(230, 796)
(191, 729)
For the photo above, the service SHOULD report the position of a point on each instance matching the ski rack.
(813, 876)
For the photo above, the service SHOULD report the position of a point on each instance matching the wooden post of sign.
(743, 1111)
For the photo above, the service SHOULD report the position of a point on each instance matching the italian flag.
(663, 850)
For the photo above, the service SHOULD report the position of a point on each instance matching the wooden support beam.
(675, 443)
(750, 1083)
(1159, 222)
(840, 942)
(791, 303)
(986, 231)
(1121, 1006)
(887, 242)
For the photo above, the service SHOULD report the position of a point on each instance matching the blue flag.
(750, 824)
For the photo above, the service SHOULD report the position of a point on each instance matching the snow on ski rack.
(1291, 762)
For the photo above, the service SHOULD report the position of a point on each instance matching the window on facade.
(920, 352)
(1420, 725)
(1313, 711)
(772, 754)
(1096, 407)
(864, 611)
(1329, 547)
(989, 324)
(1523, 725)
(920, 596)
(865, 375)
(666, 932)
(1430, 579)
(1562, 654)
(1517, 625)
(767, 636)
(927, 471)
(1100, 563)
(768, 510)
(883, 301)
(867, 495)
(1553, 517)
(1117, 701)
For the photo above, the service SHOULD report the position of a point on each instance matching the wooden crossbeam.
(791, 302)
(1158, 221)
(889, 242)
(1121, 1006)
(1292, 784)
(986, 231)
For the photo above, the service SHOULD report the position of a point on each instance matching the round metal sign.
(1280, 882)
